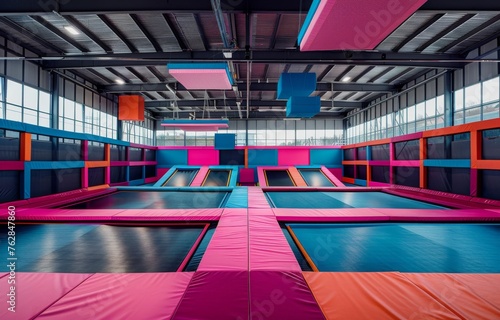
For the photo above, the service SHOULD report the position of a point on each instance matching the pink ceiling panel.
(202, 79)
(355, 25)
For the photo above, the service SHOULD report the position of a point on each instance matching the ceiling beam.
(59, 33)
(117, 32)
(417, 32)
(35, 7)
(29, 34)
(146, 32)
(448, 61)
(445, 31)
(78, 25)
(253, 103)
(255, 86)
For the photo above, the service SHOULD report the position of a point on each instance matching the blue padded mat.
(403, 247)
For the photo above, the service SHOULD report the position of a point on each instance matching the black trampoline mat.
(86, 248)
(278, 178)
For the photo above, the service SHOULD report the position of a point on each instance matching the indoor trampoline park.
(257, 160)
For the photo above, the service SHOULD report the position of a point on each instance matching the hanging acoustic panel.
(202, 76)
(131, 108)
(296, 84)
(303, 107)
(196, 125)
(352, 25)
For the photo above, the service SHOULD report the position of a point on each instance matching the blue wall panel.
(170, 158)
(262, 157)
(326, 157)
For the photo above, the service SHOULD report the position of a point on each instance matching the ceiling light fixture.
(120, 81)
(71, 30)
(346, 79)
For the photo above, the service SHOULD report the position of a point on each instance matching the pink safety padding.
(472, 296)
(119, 296)
(247, 175)
(12, 165)
(447, 202)
(35, 292)
(293, 157)
(379, 184)
(332, 174)
(405, 163)
(151, 179)
(474, 191)
(202, 79)
(440, 215)
(209, 214)
(281, 295)
(161, 171)
(42, 214)
(329, 215)
(269, 249)
(483, 201)
(357, 26)
(203, 157)
(257, 199)
(200, 177)
(215, 295)
(228, 248)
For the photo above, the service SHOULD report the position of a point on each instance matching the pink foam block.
(35, 292)
(269, 249)
(247, 175)
(405, 163)
(281, 295)
(203, 157)
(351, 25)
(228, 249)
(215, 295)
(439, 215)
(332, 174)
(293, 157)
(324, 215)
(200, 177)
(113, 295)
(379, 184)
(379, 163)
(12, 165)
(257, 198)
(202, 79)
(42, 214)
(212, 214)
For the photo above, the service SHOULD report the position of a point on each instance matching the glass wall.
(26, 104)
(139, 132)
(315, 132)
(477, 102)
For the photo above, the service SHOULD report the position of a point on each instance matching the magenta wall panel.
(203, 157)
(293, 157)
(12, 165)
(247, 175)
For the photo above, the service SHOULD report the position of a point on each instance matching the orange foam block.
(131, 108)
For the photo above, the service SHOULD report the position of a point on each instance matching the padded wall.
(168, 158)
(325, 157)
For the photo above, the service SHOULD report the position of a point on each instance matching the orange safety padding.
(246, 157)
(25, 146)
(368, 175)
(102, 186)
(131, 107)
(472, 296)
(96, 164)
(107, 152)
(297, 177)
(476, 141)
(348, 180)
(350, 295)
(355, 162)
(473, 126)
(367, 143)
(486, 164)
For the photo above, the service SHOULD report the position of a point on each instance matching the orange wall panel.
(131, 108)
